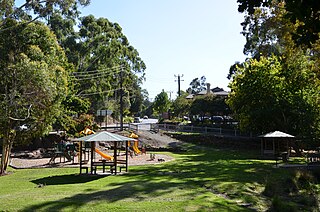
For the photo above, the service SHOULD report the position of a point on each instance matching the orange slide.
(104, 155)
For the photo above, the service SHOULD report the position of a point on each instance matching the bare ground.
(147, 139)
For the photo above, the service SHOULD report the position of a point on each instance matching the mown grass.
(201, 179)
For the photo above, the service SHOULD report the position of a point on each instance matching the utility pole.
(179, 79)
(121, 100)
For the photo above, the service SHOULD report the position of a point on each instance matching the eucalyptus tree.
(33, 82)
(302, 11)
(197, 85)
(30, 11)
(107, 66)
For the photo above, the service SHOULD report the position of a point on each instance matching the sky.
(178, 37)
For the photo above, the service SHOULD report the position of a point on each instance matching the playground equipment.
(135, 144)
(87, 131)
(94, 164)
(104, 155)
(63, 150)
(135, 147)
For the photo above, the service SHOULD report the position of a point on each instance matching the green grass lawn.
(202, 180)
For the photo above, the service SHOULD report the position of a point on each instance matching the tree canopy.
(34, 81)
(277, 94)
(161, 103)
(103, 58)
(305, 11)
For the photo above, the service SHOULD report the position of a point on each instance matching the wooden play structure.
(114, 163)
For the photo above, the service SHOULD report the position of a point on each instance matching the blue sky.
(193, 38)
(178, 37)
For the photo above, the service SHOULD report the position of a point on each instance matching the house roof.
(203, 92)
(221, 93)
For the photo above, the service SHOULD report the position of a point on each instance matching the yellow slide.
(135, 147)
(104, 155)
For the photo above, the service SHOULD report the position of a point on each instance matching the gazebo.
(112, 161)
(275, 146)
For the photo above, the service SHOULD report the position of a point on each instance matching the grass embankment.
(201, 179)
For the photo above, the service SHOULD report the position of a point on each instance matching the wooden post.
(126, 156)
(80, 156)
(261, 146)
(273, 146)
(115, 156)
(92, 155)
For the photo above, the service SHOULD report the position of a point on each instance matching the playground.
(143, 159)
(66, 154)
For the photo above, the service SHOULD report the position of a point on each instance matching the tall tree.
(305, 11)
(181, 105)
(103, 57)
(34, 81)
(277, 94)
(161, 103)
(197, 85)
(30, 11)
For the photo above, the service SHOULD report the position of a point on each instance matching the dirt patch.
(144, 159)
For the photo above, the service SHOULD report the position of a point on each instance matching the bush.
(282, 206)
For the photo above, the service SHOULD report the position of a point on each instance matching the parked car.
(145, 117)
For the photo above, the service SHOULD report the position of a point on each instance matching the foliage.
(104, 60)
(209, 105)
(304, 11)
(197, 85)
(35, 9)
(181, 106)
(277, 94)
(34, 81)
(161, 103)
(268, 32)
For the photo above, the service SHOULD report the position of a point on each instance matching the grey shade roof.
(276, 134)
(104, 136)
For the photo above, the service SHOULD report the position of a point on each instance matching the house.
(215, 91)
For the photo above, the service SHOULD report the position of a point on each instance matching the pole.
(179, 80)
(179, 93)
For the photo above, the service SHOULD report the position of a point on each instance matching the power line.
(101, 92)
(95, 76)
(97, 70)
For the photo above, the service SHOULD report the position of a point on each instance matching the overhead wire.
(100, 92)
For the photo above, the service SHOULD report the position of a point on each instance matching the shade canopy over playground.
(105, 136)
(276, 135)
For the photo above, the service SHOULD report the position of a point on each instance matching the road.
(145, 123)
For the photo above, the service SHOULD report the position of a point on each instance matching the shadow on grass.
(67, 179)
(191, 172)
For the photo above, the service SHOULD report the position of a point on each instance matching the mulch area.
(144, 159)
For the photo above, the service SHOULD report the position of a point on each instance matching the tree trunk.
(6, 150)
